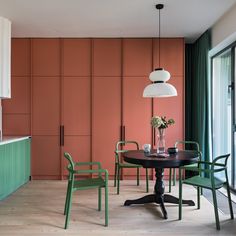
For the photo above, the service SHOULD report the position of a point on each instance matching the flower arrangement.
(161, 122)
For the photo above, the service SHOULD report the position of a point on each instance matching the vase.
(160, 140)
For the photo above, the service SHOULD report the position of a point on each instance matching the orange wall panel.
(76, 105)
(20, 57)
(46, 105)
(137, 57)
(62, 95)
(46, 57)
(77, 57)
(106, 120)
(172, 55)
(20, 96)
(79, 148)
(172, 107)
(137, 113)
(45, 156)
(107, 57)
(16, 124)
(137, 110)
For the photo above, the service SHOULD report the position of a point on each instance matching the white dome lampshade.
(159, 87)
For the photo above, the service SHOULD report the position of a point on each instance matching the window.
(223, 118)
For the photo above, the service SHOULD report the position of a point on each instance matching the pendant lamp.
(159, 87)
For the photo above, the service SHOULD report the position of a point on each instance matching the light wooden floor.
(37, 209)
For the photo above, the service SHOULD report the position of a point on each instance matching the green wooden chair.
(119, 164)
(74, 184)
(219, 164)
(193, 167)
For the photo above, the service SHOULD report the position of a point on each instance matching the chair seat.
(203, 182)
(89, 183)
(193, 167)
(127, 165)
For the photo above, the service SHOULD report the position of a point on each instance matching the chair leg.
(106, 204)
(118, 180)
(174, 177)
(147, 181)
(99, 198)
(170, 177)
(180, 195)
(216, 209)
(137, 176)
(230, 202)
(68, 208)
(67, 195)
(198, 197)
(115, 177)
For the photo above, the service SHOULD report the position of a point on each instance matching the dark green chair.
(219, 164)
(98, 182)
(193, 167)
(119, 164)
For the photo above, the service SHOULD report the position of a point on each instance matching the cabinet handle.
(121, 133)
(124, 133)
(61, 135)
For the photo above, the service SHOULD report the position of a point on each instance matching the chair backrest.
(222, 158)
(71, 165)
(219, 164)
(190, 146)
(192, 143)
(120, 148)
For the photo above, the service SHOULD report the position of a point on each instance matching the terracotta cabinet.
(46, 57)
(76, 57)
(20, 57)
(171, 55)
(91, 87)
(137, 64)
(76, 100)
(137, 57)
(46, 84)
(17, 110)
(106, 120)
(107, 57)
(76, 115)
(106, 103)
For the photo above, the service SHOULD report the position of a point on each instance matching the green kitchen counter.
(14, 164)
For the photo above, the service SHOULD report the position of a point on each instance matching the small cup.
(146, 147)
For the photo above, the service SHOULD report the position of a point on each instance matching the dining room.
(132, 102)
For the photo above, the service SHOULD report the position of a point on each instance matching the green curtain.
(198, 94)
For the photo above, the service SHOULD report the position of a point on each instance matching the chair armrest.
(99, 171)
(211, 170)
(88, 164)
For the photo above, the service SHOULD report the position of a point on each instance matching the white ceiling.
(112, 18)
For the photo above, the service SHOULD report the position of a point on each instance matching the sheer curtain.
(221, 79)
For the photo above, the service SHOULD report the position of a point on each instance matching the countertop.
(11, 139)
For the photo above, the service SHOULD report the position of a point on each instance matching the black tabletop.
(152, 160)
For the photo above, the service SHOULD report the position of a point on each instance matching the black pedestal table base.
(159, 197)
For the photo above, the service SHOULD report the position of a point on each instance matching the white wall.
(225, 27)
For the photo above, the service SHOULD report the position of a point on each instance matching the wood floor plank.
(37, 209)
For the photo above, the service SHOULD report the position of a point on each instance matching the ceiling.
(112, 18)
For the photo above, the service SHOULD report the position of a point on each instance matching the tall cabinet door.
(137, 110)
(76, 100)
(172, 60)
(16, 111)
(106, 100)
(45, 108)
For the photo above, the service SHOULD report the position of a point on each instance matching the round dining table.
(160, 162)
